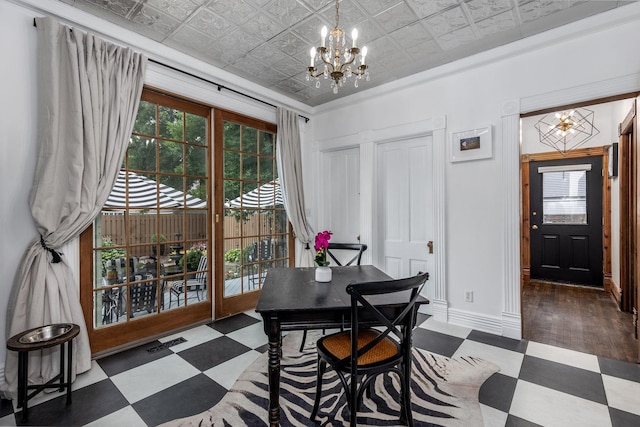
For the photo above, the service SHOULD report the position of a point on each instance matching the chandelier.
(567, 130)
(333, 55)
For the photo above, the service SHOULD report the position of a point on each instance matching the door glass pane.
(255, 234)
(564, 197)
(151, 240)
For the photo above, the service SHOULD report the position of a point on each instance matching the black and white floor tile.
(187, 373)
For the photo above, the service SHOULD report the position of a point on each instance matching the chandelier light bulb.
(323, 35)
(354, 36)
(364, 55)
(312, 52)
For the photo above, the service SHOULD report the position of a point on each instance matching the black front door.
(566, 220)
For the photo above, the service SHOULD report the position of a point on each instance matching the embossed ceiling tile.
(290, 85)
(238, 40)
(425, 49)
(374, 7)
(381, 48)
(288, 11)
(538, 9)
(188, 36)
(411, 35)
(289, 66)
(316, 5)
(291, 44)
(481, 9)
(269, 54)
(447, 21)
(155, 20)
(456, 38)
(179, 9)
(236, 11)
(264, 26)
(368, 31)
(426, 8)
(253, 65)
(396, 17)
(495, 24)
(210, 23)
(119, 7)
(309, 30)
(349, 15)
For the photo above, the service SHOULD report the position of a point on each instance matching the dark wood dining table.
(291, 300)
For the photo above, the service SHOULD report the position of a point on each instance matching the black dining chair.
(337, 251)
(363, 352)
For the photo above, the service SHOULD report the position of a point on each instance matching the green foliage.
(233, 256)
(159, 134)
(193, 255)
(110, 254)
(155, 238)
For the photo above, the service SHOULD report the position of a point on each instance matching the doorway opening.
(554, 272)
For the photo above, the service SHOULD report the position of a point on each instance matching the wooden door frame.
(628, 207)
(525, 227)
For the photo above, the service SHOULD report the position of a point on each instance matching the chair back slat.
(201, 275)
(358, 248)
(360, 306)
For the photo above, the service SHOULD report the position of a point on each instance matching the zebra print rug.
(444, 393)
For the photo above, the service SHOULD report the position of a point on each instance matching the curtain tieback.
(56, 256)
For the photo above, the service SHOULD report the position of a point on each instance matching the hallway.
(578, 318)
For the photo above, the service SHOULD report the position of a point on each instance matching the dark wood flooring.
(578, 318)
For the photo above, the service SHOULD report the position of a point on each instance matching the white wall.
(18, 116)
(591, 60)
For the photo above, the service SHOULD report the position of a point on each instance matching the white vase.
(323, 274)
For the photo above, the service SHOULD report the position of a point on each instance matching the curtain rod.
(220, 86)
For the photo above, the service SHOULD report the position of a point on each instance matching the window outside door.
(251, 224)
(566, 221)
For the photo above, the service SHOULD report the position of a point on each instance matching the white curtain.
(289, 158)
(89, 91)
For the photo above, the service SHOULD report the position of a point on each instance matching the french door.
(251, 226)
(144, 263)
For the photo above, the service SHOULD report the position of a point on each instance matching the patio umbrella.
(145, 193)
(267, 195)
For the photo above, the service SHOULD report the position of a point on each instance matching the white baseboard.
(512, 326)
(507, 326)
(479, 322)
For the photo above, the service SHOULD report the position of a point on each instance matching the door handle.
(534, 227)
(430, 245)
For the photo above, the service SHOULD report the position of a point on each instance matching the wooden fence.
(188, 227)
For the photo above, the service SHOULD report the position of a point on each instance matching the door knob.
(534, 227)
(430, 245)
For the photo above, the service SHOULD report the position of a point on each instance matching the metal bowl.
(45, 333)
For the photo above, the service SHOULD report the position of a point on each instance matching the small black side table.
(38, 339)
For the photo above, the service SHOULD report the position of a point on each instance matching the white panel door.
(341, 195)
(405, 207)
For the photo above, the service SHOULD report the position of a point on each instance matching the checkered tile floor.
(537, 384)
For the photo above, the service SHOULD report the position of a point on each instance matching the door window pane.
(564, 197)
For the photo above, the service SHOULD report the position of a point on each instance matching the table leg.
(23, 381)
(274, 334)
(69, 365)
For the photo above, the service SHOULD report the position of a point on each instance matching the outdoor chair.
(198, 285)
(262, 251)
(336, 252)
(364, 352)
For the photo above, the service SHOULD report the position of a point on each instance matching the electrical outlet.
(468, 296)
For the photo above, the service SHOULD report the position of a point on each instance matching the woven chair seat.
(339, 345)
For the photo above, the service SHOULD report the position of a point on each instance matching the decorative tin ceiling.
(268, 41)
